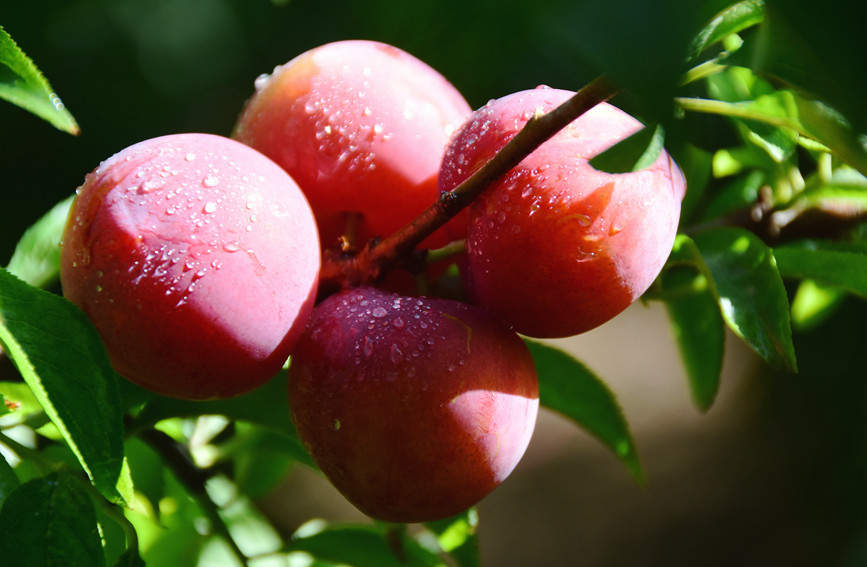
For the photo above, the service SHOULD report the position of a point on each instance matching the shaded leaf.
(734, 18)
(36, 259)
(828, 265)
(8, 480)
(58, 352)
(49, 522)
(699, 329)
(364, 546)
(569, 388)
(749, 289)
(260, 459)
(636, 152)
(22, 84)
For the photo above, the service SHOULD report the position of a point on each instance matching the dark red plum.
(414, 408)
(557, 247)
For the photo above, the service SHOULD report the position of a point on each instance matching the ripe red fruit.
(361, 126)
(414, 408)
(557, 247)
(197, 259)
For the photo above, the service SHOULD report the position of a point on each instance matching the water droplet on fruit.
(209, 207)
(261, 81)
(367, 347)
(366, 111)
(395, 355)
(190, 156)
(231, 246)
(615, 228)
(210, 181)
(398, 323)
(379, 312)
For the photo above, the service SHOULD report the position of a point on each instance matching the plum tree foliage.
(439, 234)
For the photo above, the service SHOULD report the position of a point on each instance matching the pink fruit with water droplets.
(362, 127)
(557, 247)
(414, 408)
(197, 260)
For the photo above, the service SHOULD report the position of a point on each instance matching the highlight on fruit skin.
(197, 260)
(585, 243)
(414, 408)
(361, 126)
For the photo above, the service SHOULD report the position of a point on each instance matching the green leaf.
(58, 352)
(147, 470)
(699, 329)
(22, 84)
(8, 480)
(814, 303)
(364, 546)
(36, 259)
(734, 18)
(819, 262)
(266, 406)
(634, 153)
(785, 109)
(749, 289)
(458, 537)
(738, 194)
(260, 459)
(49, 522)
(569, 388)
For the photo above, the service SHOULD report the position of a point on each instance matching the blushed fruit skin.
(556, 247)
(197, 260)
(414, 408)
(361, 126)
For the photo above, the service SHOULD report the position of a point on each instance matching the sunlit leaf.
(21, 83)
(58, 352)
(824, 263)
(814, 303)
(266, 406)
(569, 388)
(458, 537)
(50, 522)
(785, 109)
(699, 329)
(750, 292)
(36, 259)
(636, 152)
(734, 18)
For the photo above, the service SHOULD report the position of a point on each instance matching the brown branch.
(377, 258)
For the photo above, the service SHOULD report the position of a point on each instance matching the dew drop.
(398, 323)
(395, 355)
(210, 181)
(379, 312)
(209, 207)
(190, 156)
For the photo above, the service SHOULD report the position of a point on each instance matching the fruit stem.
(377, 258)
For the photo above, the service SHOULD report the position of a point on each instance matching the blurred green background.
(773, 475)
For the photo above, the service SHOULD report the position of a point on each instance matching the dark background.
(773, 475)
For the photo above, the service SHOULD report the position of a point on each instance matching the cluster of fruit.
(198, 257)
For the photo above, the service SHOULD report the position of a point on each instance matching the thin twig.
(378, 258)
